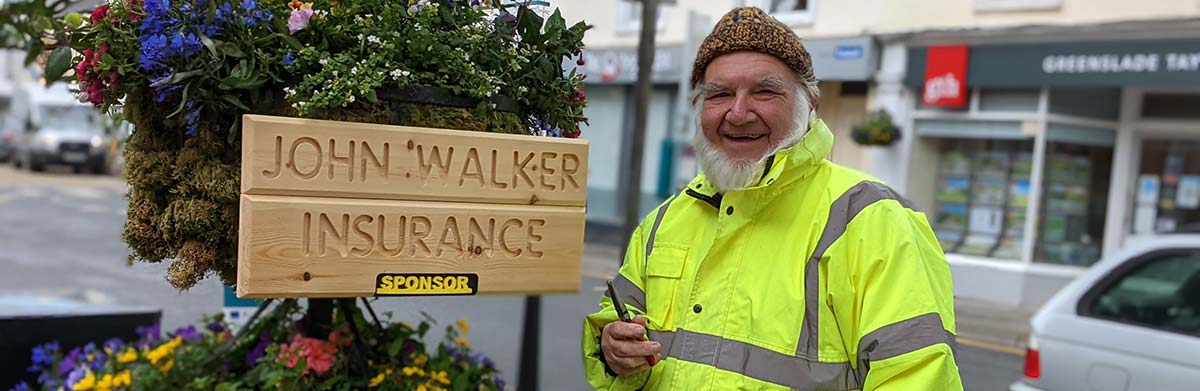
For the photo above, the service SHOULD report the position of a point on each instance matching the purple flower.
(113, 345)
(189, 333)
(299, 20)
(259, 350)
(22, 386)
(215, 327)
(76, 375)
(289, 59)
(147, 335)
(474, 3)
(499, 382)
(249, 5)
(69, 362)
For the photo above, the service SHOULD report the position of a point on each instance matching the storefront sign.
(620, 65)
(843, 58)
(1116, 63)
(338, 209)
(946, 77)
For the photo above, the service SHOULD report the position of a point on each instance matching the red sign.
(946, 76)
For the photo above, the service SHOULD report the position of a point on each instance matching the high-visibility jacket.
(816, 278)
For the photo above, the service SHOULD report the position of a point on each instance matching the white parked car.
(1131, 322)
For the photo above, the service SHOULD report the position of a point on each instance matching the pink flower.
(100, 13)
(299, 19)
(319, 356)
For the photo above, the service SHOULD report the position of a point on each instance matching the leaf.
(57, 64)
(208, 43)
(290, 41)
(372, 96)
(230, 50)
(36, 47)
(555, 26)
(394, 348)
(529, 25)
(233, 100)
(178, 77)
(182, 101)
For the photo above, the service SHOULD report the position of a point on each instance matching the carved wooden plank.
(303, 157)
(343, 245)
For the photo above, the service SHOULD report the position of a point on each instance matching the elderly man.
(775, 269)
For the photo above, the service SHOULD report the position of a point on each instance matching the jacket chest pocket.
(664, 273)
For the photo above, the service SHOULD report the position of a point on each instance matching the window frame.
(1083, 307)
(1017, 5)
(791, 18)
(629, 17)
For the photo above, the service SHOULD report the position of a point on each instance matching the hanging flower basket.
(877, 130)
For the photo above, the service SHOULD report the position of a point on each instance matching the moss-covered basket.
(183, 189)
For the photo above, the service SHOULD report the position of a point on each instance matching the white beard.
(726, 173)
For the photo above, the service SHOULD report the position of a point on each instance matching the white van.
(57, 129)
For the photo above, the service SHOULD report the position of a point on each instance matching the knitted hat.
(751, 29)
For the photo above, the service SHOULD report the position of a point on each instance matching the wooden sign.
(339, 209)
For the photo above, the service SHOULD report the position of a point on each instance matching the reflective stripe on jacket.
(817, 278)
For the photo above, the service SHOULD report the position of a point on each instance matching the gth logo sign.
(946, 76)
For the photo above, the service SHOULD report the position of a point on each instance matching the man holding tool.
(775, 268)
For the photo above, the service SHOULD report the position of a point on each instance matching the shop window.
(629, 17)
(790, 12)
(1171, 106)
(982, 196)
(1074, 198)
(1011, 100)
(1168, 187)
(1100, 103)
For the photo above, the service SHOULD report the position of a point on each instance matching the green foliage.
(273, 353)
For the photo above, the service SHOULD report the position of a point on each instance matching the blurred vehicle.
(58, 130)
(1131, 322)
(9, 127)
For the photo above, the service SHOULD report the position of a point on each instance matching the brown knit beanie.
(751, 29)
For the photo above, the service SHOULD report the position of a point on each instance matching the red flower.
(100, 13)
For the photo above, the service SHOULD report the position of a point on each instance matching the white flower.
(522, 89)
(324, 61)
(373, 39)
(396, 74)
(352, 98)
(354, 71)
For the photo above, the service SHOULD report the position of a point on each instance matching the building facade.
(1039, 135)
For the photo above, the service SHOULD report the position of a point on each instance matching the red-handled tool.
(624, 315)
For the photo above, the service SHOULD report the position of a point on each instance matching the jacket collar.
(788, 165)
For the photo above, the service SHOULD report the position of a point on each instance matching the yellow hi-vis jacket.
(817, 278)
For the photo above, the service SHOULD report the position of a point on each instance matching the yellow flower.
(420, 360)
(128, 356)
(375, 381)
(422, 388)
(163, 350)
(462, 324)
(409, 371)
(463, 341)
(440, 377)
(406, 325)
(167, 367)
(105, 383)
(88, 381)
(124, 378)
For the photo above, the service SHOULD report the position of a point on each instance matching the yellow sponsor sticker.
(424, 284)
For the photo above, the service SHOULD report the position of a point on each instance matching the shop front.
(1034, 160)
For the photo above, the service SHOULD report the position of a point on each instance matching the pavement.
(60, 235)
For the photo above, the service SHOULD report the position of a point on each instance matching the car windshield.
(68, 118)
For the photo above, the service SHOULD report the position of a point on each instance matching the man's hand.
(625, 348)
